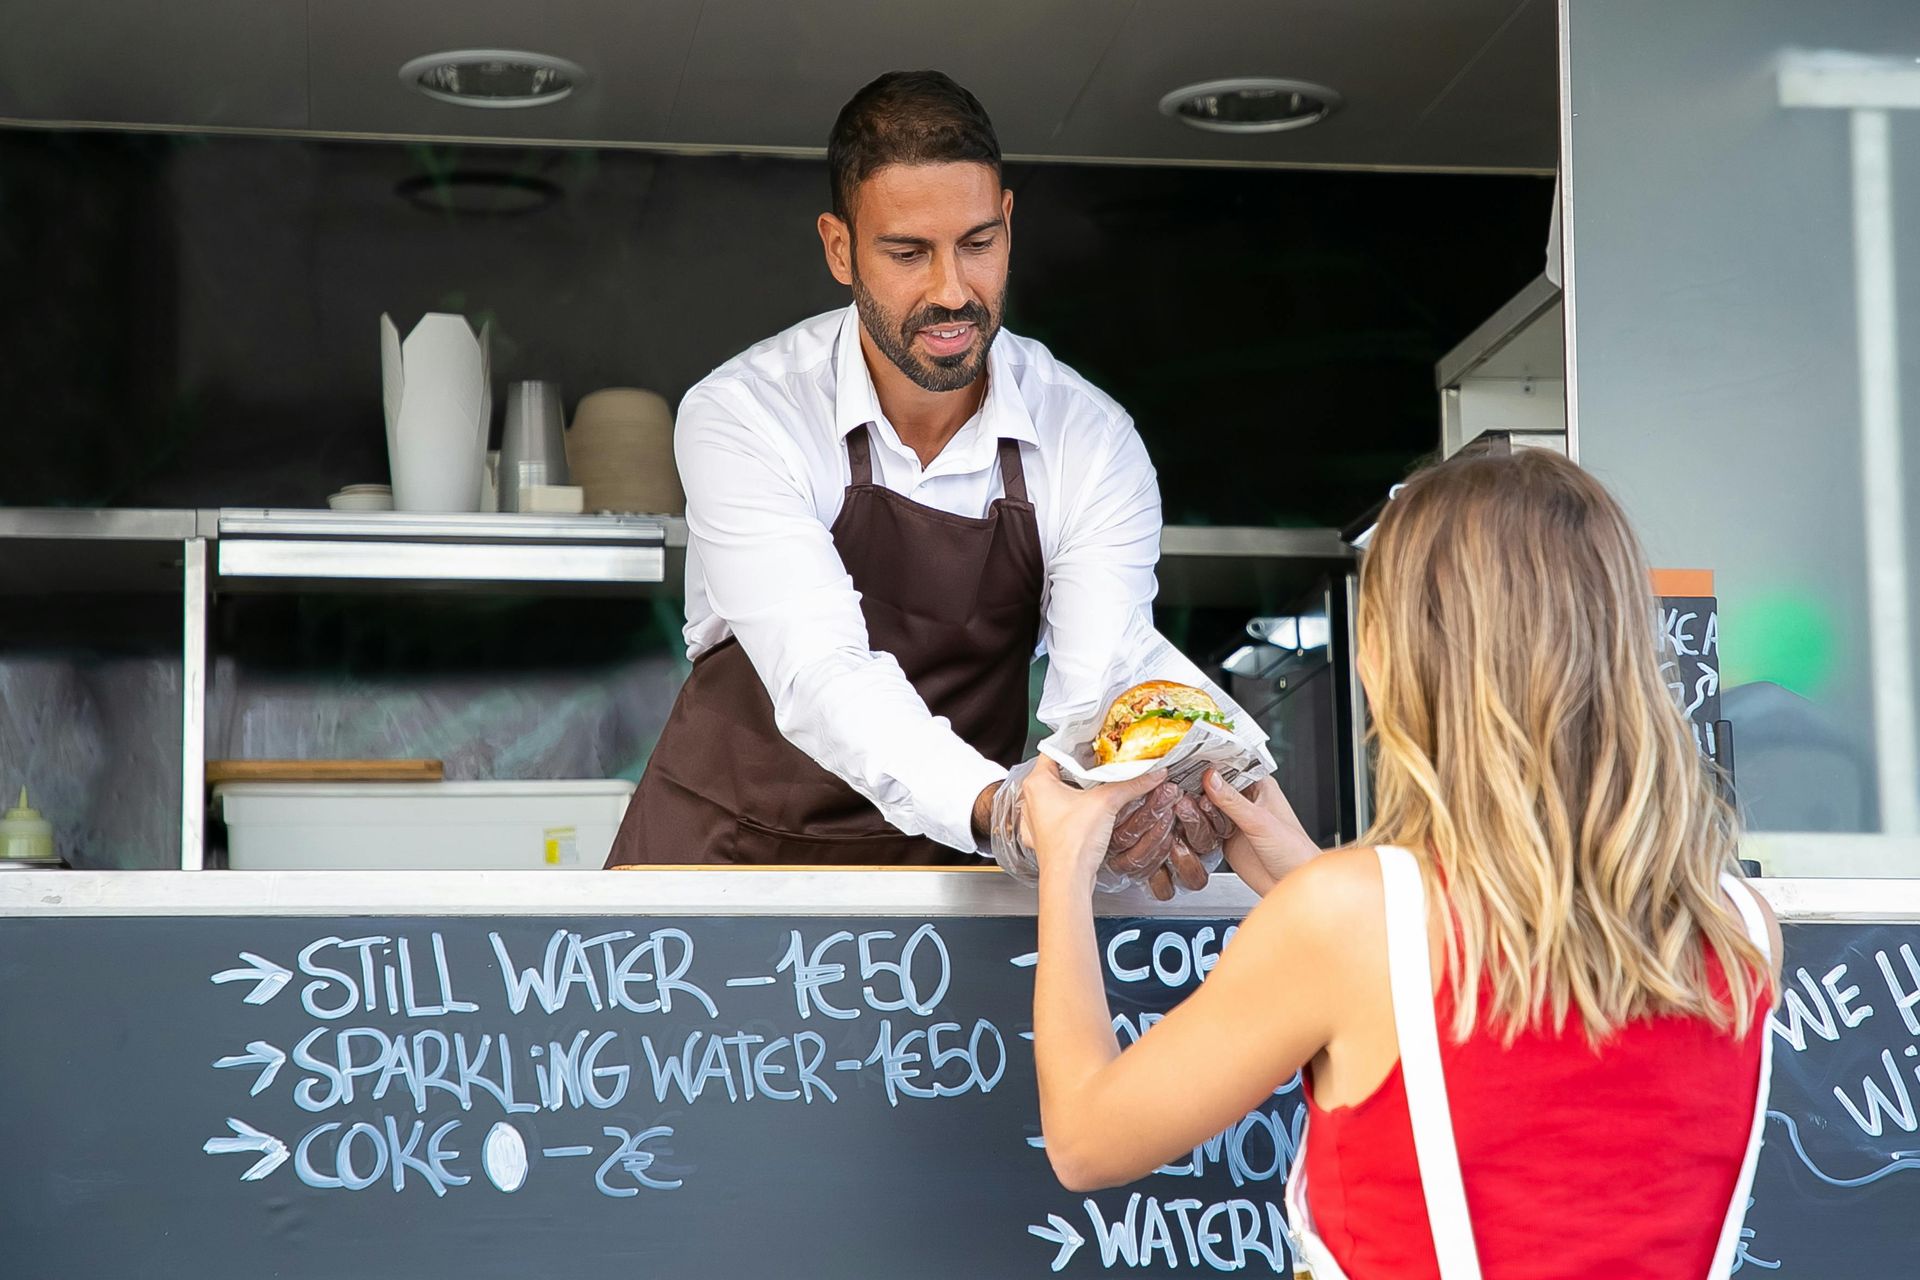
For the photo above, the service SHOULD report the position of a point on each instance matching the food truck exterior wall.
(1743, 267)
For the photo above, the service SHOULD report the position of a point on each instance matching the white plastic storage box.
(408, 826)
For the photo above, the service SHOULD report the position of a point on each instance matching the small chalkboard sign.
(1689, 619)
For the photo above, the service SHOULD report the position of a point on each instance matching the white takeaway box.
(410, 826)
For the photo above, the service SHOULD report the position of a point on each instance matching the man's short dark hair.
(906, 117)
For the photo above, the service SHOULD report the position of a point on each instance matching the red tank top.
(1578, 1165)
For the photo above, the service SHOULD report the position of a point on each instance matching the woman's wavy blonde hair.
(1527, 742)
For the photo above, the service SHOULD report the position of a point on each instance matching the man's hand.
(1161, 838)
(1157, 839)
(1198, 829)
(1143, 833)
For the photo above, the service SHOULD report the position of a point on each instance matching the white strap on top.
(1745, 899)
(1410, 974)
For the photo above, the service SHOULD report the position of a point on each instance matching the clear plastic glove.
(1200, 832)
(1201, 824)
(1140, 849)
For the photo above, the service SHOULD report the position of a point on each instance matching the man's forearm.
(983, 811)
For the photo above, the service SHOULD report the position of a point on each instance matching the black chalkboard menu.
(1838, 1188)
(233, 1098)
(230, 1098)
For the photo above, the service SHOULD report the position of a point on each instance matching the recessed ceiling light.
(1250, 104)
(493, 77)
(478, 192)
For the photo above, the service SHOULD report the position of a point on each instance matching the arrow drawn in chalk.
(1026, 961)
(273, 1152)
(268, 978)
(259, 1054)
(1060, 1232)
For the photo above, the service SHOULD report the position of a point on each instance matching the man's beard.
(931, 373)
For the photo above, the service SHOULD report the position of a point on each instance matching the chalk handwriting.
(247, 1139)
(963, 1066)
(1818, 1009)
(384, 966)
(915, 978)
(1742, 1251)
(1170, 958)
(1899, 1160)
(504, 1156)
(629, 1158)
(1232, 1235)
(353, 1157)
(267, 977)
(755, 1067)
(604, 974)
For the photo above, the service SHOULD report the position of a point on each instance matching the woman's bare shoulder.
(1329, 897)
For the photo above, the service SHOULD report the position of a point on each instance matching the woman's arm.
(1111, 1117)
(1268, 842)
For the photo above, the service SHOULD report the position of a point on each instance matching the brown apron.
(955, 600)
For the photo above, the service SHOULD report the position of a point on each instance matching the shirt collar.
(1003, 412)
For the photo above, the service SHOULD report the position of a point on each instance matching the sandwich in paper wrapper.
(1239, 753)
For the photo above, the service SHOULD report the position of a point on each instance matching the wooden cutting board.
(324, 771)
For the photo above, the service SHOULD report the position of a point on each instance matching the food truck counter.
(320, 1074)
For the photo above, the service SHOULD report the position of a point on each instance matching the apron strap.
(860, 454)
(1744, 898)
(1410, 975)
(1012, 478)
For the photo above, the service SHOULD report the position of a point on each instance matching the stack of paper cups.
(439, 404)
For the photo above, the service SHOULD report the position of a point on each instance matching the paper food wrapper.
(436, 391)
(1240, 755)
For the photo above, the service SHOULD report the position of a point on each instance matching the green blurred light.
(1779, 636)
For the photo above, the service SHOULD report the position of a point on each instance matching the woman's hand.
(1269, 842)
(1069, 829)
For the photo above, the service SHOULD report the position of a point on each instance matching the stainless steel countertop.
(719, 891)
(706, 891)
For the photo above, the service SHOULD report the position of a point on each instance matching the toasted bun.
(1125, 736)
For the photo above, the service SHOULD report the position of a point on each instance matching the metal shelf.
(67, 551)
(123, 524)
(454, 526)
(337, 550)
(1234, 566)
(44, 550)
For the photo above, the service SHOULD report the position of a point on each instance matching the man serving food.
(890, 510)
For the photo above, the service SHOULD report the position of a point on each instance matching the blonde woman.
(1530, 1005)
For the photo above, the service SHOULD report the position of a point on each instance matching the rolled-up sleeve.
(1100, 579)
(771, 571)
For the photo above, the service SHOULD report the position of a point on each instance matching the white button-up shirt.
(761, 448)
